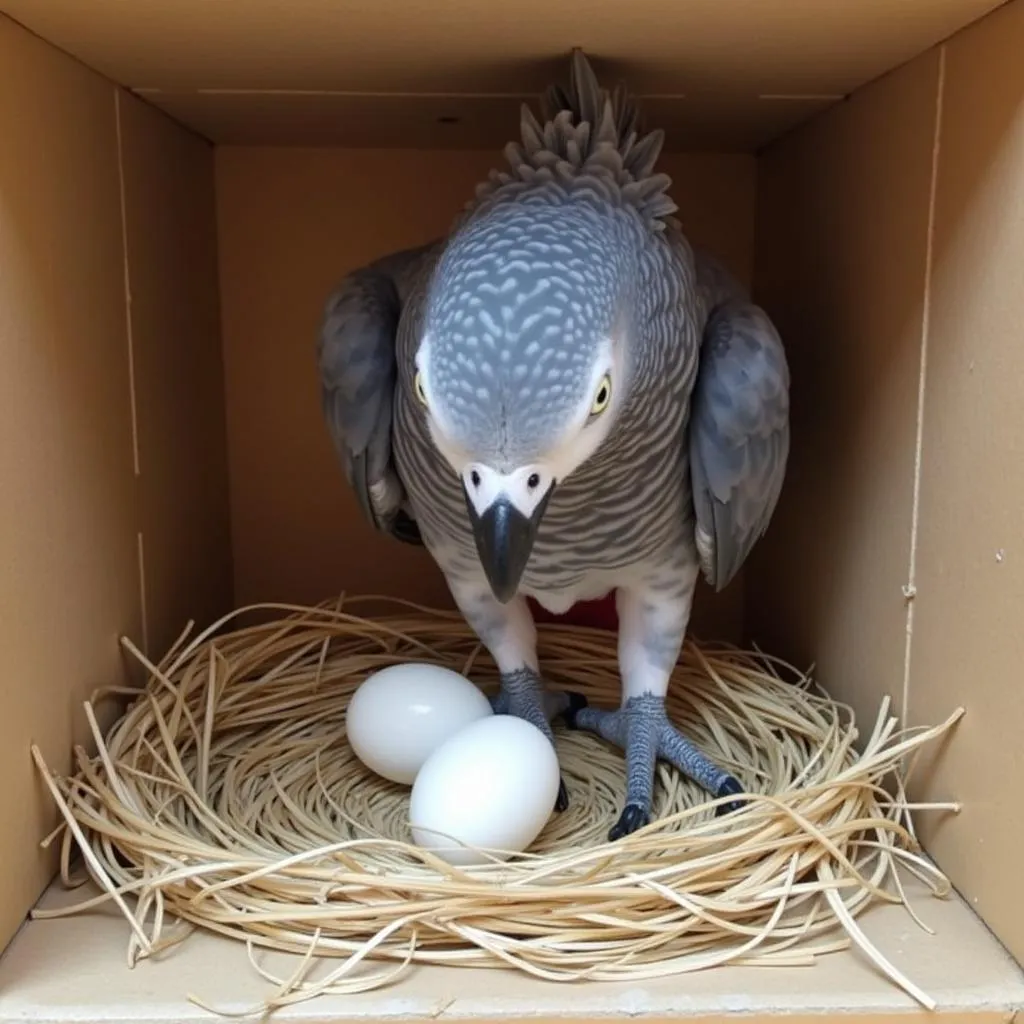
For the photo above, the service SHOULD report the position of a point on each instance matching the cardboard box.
(181, 185)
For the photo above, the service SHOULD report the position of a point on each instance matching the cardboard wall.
(842, 238)
(715, 75)
(889, 246)
(968, 644)
(77, 389)
(291, 223)
(170, 214)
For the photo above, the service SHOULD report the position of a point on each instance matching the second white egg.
(401, 714)
(492, 786)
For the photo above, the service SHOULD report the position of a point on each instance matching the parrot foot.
(522, 694)
(642, 729)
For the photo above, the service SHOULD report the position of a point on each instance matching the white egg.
(401, 714)
(492, 786)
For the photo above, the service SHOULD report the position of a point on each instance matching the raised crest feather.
(589, 137)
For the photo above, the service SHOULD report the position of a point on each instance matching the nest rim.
(795, 847)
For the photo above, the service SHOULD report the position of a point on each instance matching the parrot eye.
(418, 387)
(603, 396)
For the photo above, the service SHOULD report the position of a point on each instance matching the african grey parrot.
(562, 399)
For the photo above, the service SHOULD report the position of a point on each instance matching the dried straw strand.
(226, 798)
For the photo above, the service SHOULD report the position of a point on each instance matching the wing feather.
(739, 435)
(356, 355)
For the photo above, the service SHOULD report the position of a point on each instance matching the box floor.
(74, 970)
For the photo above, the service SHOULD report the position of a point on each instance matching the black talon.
(633, 817)
(729, 788)
(562, 800)
(577, 702)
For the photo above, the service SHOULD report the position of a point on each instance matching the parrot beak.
(504, 539)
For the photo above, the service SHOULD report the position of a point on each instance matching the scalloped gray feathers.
(589, 139)
(739, 435)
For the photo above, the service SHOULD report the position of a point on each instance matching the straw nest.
(226, 798)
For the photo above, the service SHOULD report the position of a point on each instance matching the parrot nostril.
(534, 482)
(475, 478)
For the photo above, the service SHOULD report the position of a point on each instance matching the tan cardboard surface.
(961, 967)
(196, 49)
(179, 376)
(856, 185)
(68, 562)
(842, 237)
(719, 122)
(81, 395)
(291, 223)
(968, 640)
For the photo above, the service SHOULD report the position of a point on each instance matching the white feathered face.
(522, 370)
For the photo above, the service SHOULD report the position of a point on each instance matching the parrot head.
(523, 363)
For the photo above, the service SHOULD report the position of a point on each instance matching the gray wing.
(739, 434)
(356, 355)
